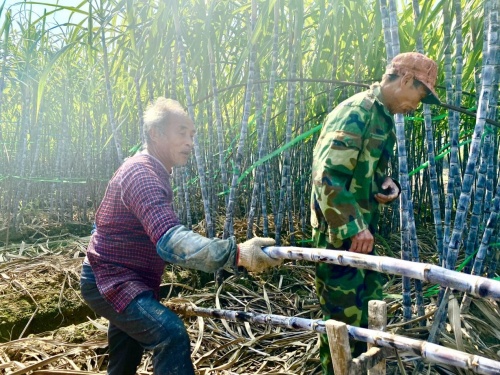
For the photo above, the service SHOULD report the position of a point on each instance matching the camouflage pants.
(343, 294)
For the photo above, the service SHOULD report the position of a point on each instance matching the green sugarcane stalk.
(431, 352)
(475, 285)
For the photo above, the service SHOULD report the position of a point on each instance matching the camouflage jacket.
(350, 160)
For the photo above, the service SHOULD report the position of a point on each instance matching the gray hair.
(158, 115)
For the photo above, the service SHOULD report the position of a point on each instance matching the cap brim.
(432, 98)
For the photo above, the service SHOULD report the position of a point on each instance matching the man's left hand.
(392, 191)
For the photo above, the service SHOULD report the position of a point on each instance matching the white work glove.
(253, 258)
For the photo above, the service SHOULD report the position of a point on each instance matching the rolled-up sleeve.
(188, 249)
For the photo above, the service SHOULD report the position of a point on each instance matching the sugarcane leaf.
(455, 322)
(45, 74)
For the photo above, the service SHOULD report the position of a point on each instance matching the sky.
(38, 6)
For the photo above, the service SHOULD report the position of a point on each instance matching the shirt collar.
(377, 93)
(145, 152)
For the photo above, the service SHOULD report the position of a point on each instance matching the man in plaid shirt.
(137, 231)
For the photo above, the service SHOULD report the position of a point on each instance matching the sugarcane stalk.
(267, 120)
(457, 96)
(406, 216)
(109, 93)
(404, 212)
(431, 153)
(302, 159)
(448, 82)
(490, 66)
(478, 202)
(228, 224)
(200, 163)
(485, 244)
(430, 352)
(218, 118)
(257, 186)
(285, 197)
(475, 285)
(387, 29)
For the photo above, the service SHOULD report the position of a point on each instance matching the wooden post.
(377, 319)
(340, 351)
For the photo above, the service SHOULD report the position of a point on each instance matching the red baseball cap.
(423, 69)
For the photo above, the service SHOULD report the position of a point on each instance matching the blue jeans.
(144, 324)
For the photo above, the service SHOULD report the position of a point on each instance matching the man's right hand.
(253, 258)
(362, 242)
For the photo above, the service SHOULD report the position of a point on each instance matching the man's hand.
(253, 258)
(362, 242)
(392, 191)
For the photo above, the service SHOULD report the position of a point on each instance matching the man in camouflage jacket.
(349, 182)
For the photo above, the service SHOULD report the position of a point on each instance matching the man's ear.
(407, 80)
(155, 133)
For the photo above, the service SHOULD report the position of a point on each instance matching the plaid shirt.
(135, 213)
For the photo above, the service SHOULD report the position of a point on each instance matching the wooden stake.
(338, 340)
(377, 319)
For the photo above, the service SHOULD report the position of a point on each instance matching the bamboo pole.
(431, 352)
(475, 285)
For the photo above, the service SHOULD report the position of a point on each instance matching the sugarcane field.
(278, 187)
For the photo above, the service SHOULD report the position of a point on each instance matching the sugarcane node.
(484, 287)
(340, 259)
(427, 269)
(244, 315)
(218, 314)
